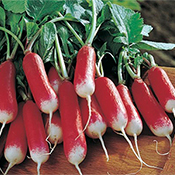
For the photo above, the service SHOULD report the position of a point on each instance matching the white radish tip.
(78, 169)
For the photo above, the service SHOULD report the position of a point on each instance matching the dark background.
(160, 14)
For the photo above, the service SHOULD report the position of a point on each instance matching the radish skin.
(35, 132)
(166, 94)
(156, 118)
(75, 149)
(84, 75)
(44, 96)
(16, 144)
(8, 106)
(97, 125)
(54, 79)
(134, 125)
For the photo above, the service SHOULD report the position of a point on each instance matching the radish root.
(38, 168)
(11, 164)
(132, 148)
(103, 146)
(162, 154)
(2, 127)
(1, 171)
(78, 169)
(173, 111)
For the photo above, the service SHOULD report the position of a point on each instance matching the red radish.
(154, 115)
(84, 76)
(74, 149)
(55, 130)
(111, 103)
(54, 79)
(8, 102)
(134, 125)
(97, 125)
(35, 132)
(44, 95)
(16, 144)
(163, 88)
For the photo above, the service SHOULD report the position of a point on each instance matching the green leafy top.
(118, 26)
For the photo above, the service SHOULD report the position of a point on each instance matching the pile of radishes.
(58, 105)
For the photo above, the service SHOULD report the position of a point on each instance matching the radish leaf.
(14, 6)
(128, 23)
(2, 17)
(151, 45)
(47, 38)
(40, 8)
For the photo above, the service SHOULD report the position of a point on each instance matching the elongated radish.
(16, 144)
(74, 149)
(163, 88)
(97, 125)
(134, 125)
(54, 78)
(55, 130)
(111, 103)
(84, 76)
(154, 115)
(35, 132)
(43, 93)
(8, 102)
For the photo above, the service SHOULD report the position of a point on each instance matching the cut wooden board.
(122, 160)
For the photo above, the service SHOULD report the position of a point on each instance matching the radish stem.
(29, 47)
(14, 36)
(94, 21)
(72, 30)
(61, 59)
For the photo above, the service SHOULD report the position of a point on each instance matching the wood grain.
(122, 160)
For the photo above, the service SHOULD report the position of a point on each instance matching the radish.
(156, 118)
(134, 126)
(97, 125)
(74, 148)
(44, 95)
(84, 76)
(36, 136)
(8, 102)
(54, 78)
(162, 87)
(55, 130)
(16, 144)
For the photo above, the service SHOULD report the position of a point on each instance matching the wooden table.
(121, 158)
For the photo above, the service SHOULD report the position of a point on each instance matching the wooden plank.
(122, 160)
